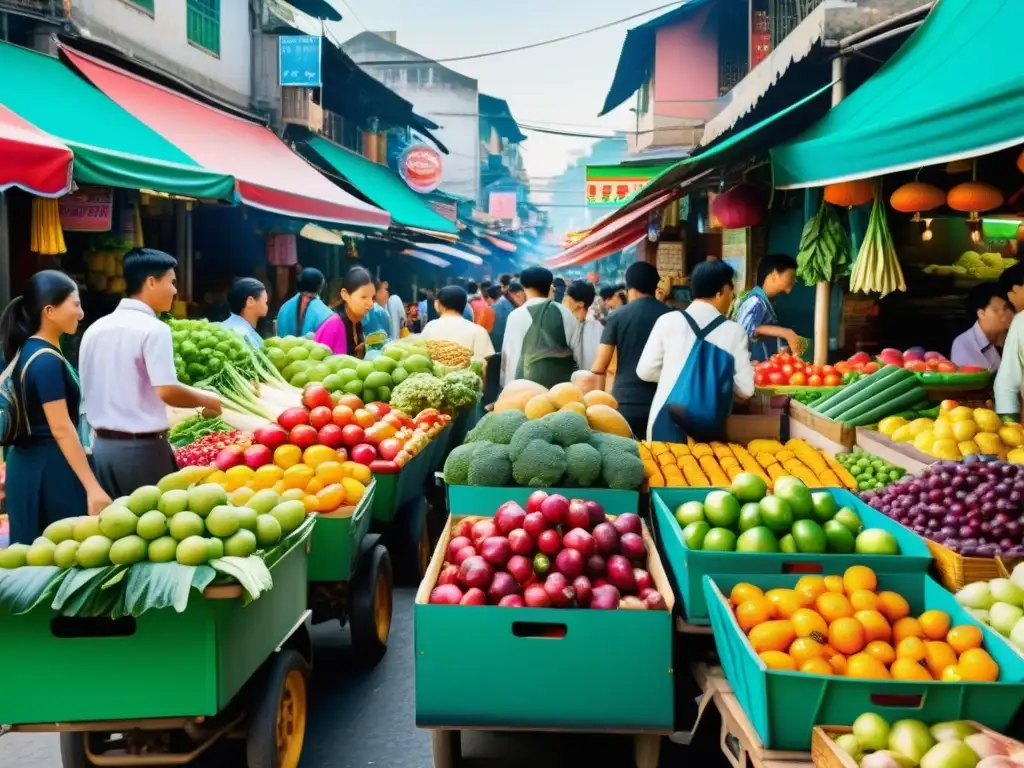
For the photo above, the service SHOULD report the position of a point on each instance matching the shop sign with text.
(87, 209)
(611, 185)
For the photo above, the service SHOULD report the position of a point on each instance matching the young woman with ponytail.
(48, 474)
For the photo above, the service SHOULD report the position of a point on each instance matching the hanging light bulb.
(926, 229)
(974, 227)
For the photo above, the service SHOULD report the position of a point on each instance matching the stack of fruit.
(791, 519)
(832, 625)
(918, 360)
(873, 743)
(695, 465)
(885, 393)
(536, 402)
(870, 472)
(999, 603)
(785, 370)
(957, 432)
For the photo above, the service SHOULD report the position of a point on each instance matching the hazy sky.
(564, 83)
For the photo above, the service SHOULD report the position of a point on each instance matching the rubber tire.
(368, 648)
(72, 751)
(261, 730)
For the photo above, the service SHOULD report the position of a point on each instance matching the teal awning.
(110, 146)
(954, 90)
(383, 187)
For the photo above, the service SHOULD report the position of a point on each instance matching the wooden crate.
(902, 455)
(957, 571)
(826, 754)
(840, 434)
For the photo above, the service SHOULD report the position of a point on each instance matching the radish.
(446, 594)
(474, 596)
(475, 572)
(520, 541)
(495, 550)
(581, 541)
(535, 500)
(509, 517)
(456, 544)
(535, 524)
(606, 536)
(604, 598)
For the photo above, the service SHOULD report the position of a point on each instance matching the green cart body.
(397, 491)
(161, 664)
(336, 540)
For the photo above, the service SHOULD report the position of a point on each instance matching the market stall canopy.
(953, 91)
(110, 146)
(32, 160)
(636, 61)
(382, 186)
(268, 174)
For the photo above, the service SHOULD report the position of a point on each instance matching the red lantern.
(739, 207)
(974, 196)
(849, 194)
(916, 196)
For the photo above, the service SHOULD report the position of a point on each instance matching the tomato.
(364, 418)
(871, 367)
(760, 379)
(814, 370)
(776, 378)
(843, 367)
(832, 380)
(342, 415)
(768, 367)
(798, 379)
(827, 370)
(352, 401)
(814, 380)
(788, 370)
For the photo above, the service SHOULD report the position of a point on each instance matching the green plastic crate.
(687, 567)
(335, 540)
(631, 645)
(171, 665)
(784, 706)
(479, 500)
(396, 491)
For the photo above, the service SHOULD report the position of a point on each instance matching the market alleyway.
(368, 719)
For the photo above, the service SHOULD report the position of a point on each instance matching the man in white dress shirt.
(537, 283)
(128, 378)
(672, 339)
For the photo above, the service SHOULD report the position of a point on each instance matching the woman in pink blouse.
(343, 331)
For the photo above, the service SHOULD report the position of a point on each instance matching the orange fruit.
(298, 476)
(908, 669)
(881, 650)
(911, 648)
(963, 637)
(892, 606)
(316, 455)
(846, 635)
(743, 592)
(775, 635)
(354, 490)
(331, 497)
(906, 627)
(934, 624)
(778, 660)
(832, 606)
(839, 663)
(809, 587)
(287, 456)
(875, 625)
(816, 666)
(315, 485)
(977, 666)
(311, 503)
(863, 666)
(937, 656)
(330, 472)
(808, 623)
(950, 674)
(785, 601)
(834, 584)
(859, 577)
(863, 600)
(806, 648)
(267, 475)
(750, 613)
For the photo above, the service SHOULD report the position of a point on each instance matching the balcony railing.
(298, 108)
(46, 9)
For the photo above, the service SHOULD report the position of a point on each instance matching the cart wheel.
(72, 751)
(277, 726)
(370, 614)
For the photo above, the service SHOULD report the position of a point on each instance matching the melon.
(599, 397)
(539, 406)
(604, 418)
(563, 394)
(579, 408)
(520, 387)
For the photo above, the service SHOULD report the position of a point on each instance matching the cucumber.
(880, 412)
(883, 396)
(854, 393)
(865, 393)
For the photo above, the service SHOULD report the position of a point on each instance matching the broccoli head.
(606, 443)
(456, 467)
(499, 427)
(481, 426)
(583, 465)
(461, 388)
(622, 471)
(416, 393)
(539, 464)
(568, 427)
(528, 432)
(490, 466)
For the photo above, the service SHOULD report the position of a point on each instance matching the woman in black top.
(48, 473)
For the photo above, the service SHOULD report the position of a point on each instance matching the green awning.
(383, 187)
(110, 146)
(954, 90)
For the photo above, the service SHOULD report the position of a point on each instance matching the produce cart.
(162, 688)
(350, 577)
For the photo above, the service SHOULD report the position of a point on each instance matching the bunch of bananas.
(47, 235)
(824, 248)
(877, 269)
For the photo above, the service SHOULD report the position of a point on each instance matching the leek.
(877, 269)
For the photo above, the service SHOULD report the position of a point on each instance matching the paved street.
(367, 719)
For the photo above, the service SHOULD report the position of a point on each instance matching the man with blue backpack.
(700, 361)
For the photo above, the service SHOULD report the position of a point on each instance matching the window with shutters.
(146, 5)
(203, 24)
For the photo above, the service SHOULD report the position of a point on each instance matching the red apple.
(315, 395)
(302, 435)
(331, 436)
(363, 454)
(320, 417)
(389, 448)
(352, 435)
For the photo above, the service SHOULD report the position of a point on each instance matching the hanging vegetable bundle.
(824, 248)
(877, 269)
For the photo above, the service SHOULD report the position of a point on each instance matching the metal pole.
(823, 291)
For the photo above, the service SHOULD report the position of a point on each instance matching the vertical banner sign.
(87, 209)
(736, 253)
(502, 205)
(612, 185)
(299, 57)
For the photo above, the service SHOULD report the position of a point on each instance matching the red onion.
(502, 585)
(643, 579)
(496, 550)
(475, 572)
(535, 524)
(535, 500)
(512, 601)
(581, 541)
(604, 598)
(584, 590)
(449, 575)
(474, 596)
(520, 567)
(535, 596)
(570, 563)
(463, 554)
(445, 594)
(456, 544)
(483, 529)
(560, 592)
(606, 537)
(555, 509)
(632, 546)
(628, 523)
(620, 573)
(549, 542)
(578, 516)
(509, 517)
(520, 541)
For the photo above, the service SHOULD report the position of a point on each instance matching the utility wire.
(351, 10)
(519, 48)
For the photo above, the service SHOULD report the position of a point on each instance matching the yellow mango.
(987, 420)
(968, 447)
(946, 449)
(923, 440)
(1016, 456)
(917, 426)
(964, 430)
(943, 428)
(890, 424)
(1012, 435)
(902, 434)
(989, 442)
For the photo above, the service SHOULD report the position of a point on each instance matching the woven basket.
(957, 571)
